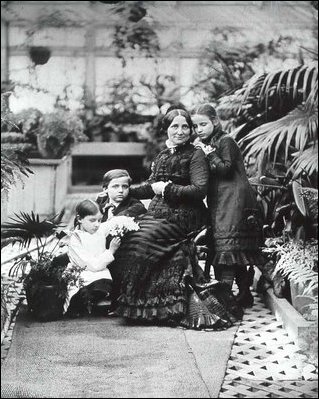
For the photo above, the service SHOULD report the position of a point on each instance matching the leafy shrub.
(57, 132)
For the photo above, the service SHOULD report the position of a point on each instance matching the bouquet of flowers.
(120, 225)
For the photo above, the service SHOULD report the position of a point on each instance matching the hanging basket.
(39, 55)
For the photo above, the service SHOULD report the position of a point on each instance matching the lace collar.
(173, 148)
(170, 146)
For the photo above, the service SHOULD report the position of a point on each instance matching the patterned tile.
(265, 362)
(14, 295)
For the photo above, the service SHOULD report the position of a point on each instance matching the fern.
(296, 262)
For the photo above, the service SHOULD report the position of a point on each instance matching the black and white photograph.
(159, 199)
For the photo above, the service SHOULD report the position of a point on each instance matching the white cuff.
(163, 190)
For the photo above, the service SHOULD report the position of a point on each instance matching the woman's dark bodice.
(186, 170)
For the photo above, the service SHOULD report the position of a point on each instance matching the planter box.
(44, 191)
(304, 333)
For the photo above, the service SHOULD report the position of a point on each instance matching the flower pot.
(45, 150)
(45, 302)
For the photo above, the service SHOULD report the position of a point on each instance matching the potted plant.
(57, 132)
(42, 271)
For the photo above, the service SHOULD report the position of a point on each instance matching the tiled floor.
(265, 362)
(14, 296)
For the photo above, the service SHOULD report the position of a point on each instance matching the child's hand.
(114, 244)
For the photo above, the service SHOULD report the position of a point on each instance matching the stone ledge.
(303, 332)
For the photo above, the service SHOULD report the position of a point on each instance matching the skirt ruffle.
(211, 306)
(199, 316)
(171, 307)
(242, 258)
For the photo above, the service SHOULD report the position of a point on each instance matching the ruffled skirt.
(160, 281)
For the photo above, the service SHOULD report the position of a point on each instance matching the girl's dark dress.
(155, 264)
(235, 216)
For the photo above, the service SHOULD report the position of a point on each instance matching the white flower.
(120, 225)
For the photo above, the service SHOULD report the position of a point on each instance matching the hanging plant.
(39, 55)
(133, 34)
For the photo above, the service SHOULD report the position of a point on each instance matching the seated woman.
(86, 250)
(156, 267)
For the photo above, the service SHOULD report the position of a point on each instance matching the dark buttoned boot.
(244, 280)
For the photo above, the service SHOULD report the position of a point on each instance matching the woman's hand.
(114, 244)
(159, 187)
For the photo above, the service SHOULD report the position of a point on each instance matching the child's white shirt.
(88, 250)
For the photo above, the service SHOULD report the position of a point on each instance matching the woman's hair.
(170, 115)
(208, 110)
(115, 174)
(175, 106)
(86, 207)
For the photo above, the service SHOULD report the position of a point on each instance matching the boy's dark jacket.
(129, 207)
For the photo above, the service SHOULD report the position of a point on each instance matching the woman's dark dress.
(155, 264)
(235, 216)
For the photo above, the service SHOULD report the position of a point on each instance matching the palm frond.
(311, 102)
(292, 82)
(235, 132)
(305, 161)
(278, 92)
(9, 240)
(296, 129)
(27, 226)
(250, 88)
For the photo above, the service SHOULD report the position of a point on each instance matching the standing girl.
(236, 228)
(87, 250)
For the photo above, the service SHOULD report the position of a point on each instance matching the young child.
(235, 237)
(115, 199)
(86, 249)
